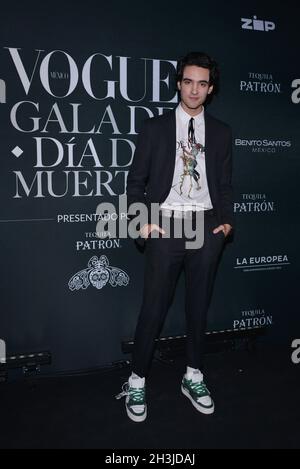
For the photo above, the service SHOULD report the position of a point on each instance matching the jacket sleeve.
(226, 190)
(139, 172)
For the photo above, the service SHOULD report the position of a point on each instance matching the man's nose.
(194, 88)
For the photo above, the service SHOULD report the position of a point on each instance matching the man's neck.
(191, 112)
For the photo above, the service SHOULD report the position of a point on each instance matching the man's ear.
(178, 85)
(210, 89)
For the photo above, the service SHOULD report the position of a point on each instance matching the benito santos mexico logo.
(98, 273)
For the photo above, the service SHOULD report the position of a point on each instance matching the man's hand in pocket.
(147, 229)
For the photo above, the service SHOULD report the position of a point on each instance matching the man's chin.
(194, 105)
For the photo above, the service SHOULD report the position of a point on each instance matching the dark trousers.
(165, 258)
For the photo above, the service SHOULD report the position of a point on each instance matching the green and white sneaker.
(194, 388)
(135, 402)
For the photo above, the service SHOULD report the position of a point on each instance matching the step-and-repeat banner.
(76, 81)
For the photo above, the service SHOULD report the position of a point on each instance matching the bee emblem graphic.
(98, 274)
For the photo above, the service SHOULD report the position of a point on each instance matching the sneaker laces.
(124, 391)
(199, 388)
(136, 394)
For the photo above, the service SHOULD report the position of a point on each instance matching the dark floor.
(257, 397)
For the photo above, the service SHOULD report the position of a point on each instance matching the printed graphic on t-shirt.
(189, 179)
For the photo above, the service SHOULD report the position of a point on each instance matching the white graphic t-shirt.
(189, 187)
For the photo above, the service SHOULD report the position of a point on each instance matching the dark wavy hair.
(201, 60)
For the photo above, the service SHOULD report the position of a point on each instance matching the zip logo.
(257, 25)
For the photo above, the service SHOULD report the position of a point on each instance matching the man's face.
(194, 88)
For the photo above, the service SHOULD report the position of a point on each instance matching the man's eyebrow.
(199, 81)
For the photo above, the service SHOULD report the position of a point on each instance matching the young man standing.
(183, 163)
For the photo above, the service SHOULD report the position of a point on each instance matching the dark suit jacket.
(151, 174)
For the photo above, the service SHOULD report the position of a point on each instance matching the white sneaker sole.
(136, 418)
(199, 407)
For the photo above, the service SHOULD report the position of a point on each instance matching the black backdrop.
(77, 79)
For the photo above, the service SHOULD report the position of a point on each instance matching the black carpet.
(256, 398)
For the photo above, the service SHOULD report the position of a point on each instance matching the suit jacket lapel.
(209, 149)
(170, 135)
